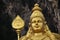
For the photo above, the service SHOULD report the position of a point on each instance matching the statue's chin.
(36, 30)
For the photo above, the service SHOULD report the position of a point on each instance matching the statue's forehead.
(37, 18)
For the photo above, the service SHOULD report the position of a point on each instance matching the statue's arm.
(57, 36)
(23, 38)
(49, 33)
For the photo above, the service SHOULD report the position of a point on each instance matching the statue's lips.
(36, 26)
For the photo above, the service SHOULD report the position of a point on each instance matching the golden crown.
(36, 12)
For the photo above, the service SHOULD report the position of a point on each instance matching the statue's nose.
(36, 23)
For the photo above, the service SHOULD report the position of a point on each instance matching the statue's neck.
(37, 31)
(38, 34)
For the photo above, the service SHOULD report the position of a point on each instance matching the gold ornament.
(18, 23)
(36, 12)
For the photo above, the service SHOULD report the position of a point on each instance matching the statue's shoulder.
(23, 37)
(57, 35)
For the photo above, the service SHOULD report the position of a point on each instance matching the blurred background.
(9, 9)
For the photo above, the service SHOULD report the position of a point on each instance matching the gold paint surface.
(18, 23)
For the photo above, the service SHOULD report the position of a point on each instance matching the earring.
(29, 24)
(45, 22)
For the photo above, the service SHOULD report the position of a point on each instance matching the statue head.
(37, 19)
(38, 23)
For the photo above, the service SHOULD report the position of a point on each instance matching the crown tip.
(36, 4)
(36, 7)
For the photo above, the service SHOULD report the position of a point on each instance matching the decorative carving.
(18, 23)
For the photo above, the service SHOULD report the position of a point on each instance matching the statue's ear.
(29, 24)
(45, 22)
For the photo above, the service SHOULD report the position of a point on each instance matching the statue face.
(37, 24)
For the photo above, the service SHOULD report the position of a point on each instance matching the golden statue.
(18, 24)
(38, 29)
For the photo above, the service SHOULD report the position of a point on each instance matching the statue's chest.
(37, 37)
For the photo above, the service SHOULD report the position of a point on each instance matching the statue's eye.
(34, 22)
(39, 21)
